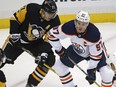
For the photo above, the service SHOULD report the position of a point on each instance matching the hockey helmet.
(49, 6)
(83, 16)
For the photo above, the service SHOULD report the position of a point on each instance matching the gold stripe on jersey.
(40, 71)
(41, 74)
(2, 84)
(20, 15)
(12, 18)
(47, 27)
(38, 79)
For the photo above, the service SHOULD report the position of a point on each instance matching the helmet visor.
(48, 16)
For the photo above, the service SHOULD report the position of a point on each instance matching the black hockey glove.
(91, 75)
(2, 57)
(15, 39)
(62, 53)
(41, 59)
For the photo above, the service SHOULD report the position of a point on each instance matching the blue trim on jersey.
(69, 28)
(92, 34)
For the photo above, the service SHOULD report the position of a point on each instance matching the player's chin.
(48, 19)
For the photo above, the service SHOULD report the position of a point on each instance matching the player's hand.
(41, 59)
(91, 75)
(2, 57)
(15, 39)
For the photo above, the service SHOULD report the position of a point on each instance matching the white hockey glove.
(41, 59)
(15, 39)
(2, 57)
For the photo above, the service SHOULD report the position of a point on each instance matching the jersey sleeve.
(16, 21)
(96, 52)
(54, 35)
(20, 14)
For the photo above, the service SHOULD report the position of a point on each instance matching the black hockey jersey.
(28, 16)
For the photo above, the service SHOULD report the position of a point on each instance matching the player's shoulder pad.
(69, 28)
(33, 7)
(92, 34)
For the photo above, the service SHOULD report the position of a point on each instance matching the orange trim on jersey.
(50, 36)
(66, 78)
(98, 57)
(62, 53)
(106, 85)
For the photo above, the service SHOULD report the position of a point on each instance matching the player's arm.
(15, 23)
(17, 20)
(54, 36)
(95, 57)
(95, 54)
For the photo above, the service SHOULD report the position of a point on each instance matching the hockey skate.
(30, 85)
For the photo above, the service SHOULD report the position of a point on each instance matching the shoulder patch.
(69, 28)
(93, 34)
(33, 7)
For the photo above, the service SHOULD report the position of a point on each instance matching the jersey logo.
(78, 48)
(30, 36)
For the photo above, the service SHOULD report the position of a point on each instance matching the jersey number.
(100, 45)
(56, 30)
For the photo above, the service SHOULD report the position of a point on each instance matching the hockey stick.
(47, 66)
(111, 61)
(54, 70)
(81, 69)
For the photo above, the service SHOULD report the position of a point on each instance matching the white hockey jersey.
(86, 44)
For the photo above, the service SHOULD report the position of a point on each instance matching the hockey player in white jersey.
(86, 44)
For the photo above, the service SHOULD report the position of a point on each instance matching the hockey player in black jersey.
(86, 44)
(28, 28)
(2, 76)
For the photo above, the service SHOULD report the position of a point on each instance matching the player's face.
(80, 26)
(48, 16)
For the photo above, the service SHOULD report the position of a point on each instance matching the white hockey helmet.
(83, 16)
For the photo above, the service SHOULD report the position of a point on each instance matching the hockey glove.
(91, 75)
(62, 53)
(15, 39)
(2, 57)
(41, 59)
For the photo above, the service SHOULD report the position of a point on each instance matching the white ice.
(17, 74)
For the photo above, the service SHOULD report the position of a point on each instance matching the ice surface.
(17, 74)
